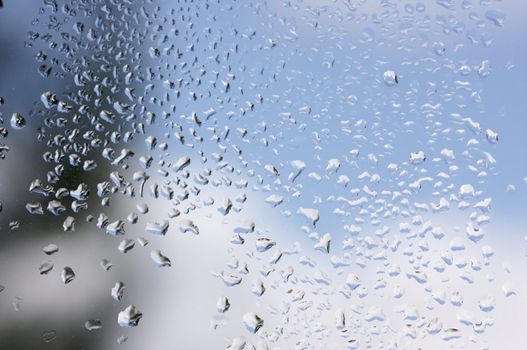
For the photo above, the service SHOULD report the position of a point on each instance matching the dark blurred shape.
(1, 3)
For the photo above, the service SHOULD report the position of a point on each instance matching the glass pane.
(343, 174)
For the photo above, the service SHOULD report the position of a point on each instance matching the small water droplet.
(129, 317)
(390, 78)
(67, 275)
(252, 322)
(18, 122)
(93, 325)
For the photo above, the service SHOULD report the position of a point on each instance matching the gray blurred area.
(32, 312)
(39, 311)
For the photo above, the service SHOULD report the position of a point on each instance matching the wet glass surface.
(342, 174)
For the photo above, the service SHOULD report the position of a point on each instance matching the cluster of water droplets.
(366, 149)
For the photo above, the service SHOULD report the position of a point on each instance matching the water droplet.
(264, 244)
(118, 291)
(45, 268)
(496, 17)
(106, 264)
(390, 78)
(252, 322)
(126, 245)
(49, 336)
(129, 317)
(159, 258)
(93, 325)
(67, 275)
(18, 122)
(223, 304)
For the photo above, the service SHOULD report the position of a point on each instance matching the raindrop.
(93, 325)
(129, 317)
(252, 322)
(159, 258)
(67, 275)
(390, 78)
(18, 122)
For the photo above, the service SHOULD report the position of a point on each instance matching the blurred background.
(318, 68)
